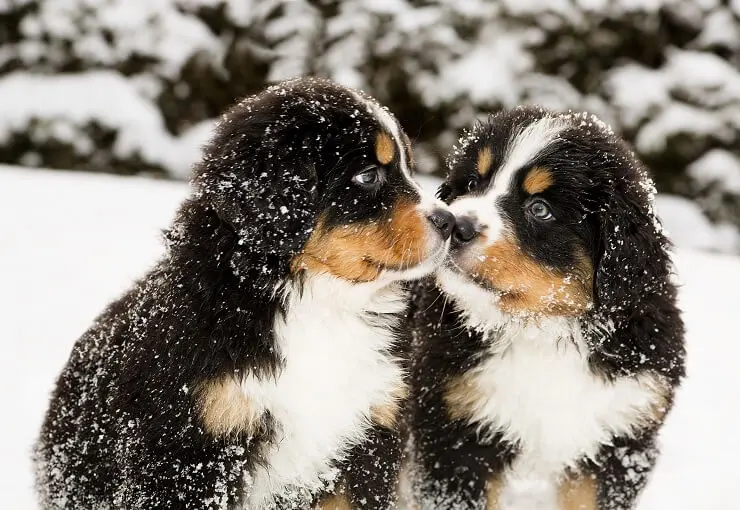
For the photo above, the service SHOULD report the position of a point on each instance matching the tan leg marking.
(462, 396)
(578, 492)
(387, 414)
(334, 502)
(224, 409)
(493, 493)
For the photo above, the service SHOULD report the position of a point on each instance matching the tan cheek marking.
(387, 414)
(528, 286)
(537, 180)
(484, 161)
(359, 252)
(334, 502)
(462, 397)
(408, 233)
(224, 408)
(385, 149)
(338, 252)
(493, 492)
(578, 492)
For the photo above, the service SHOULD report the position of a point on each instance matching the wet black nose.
(444, 221)
(464, 231)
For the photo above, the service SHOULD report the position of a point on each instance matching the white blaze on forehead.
(522, 147)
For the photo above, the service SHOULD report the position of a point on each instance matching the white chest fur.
(336, 367)
(539, 391)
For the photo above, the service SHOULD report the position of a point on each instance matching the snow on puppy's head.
(554, 218)
(315, 177)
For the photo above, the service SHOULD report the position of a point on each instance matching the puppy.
(549, 353)
(257, 365)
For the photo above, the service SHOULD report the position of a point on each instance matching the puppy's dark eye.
(540, 210)
(471, 185)
(369, 177)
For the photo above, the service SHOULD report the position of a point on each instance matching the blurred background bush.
(133, 86)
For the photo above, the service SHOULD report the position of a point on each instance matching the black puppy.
(257, 364)
(549, 354)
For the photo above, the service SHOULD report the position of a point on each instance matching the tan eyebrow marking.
(537, 180)
(385, 149)
(484, 160)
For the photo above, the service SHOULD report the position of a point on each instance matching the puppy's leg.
(453, 470)
(371, 475)
(621, 472)
(179, 466)
(452, 467)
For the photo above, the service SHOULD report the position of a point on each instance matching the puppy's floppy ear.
(631, 252)
(257, 179)
(638, 325)
(270, 206)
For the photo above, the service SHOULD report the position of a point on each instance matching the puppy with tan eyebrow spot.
(549, 347)
(261, 363)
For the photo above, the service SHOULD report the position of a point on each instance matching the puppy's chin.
(437, 253)
(478, 304)
(456, 276)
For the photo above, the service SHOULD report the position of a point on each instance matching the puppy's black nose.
(444, 221)
(464, 231)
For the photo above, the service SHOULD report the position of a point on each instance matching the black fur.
(602, 200)
(122, 430)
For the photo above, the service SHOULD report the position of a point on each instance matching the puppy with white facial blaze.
(260, 363)
(548, 351)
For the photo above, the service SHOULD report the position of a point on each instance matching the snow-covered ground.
(69, 243)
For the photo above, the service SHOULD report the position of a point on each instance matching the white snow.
(524, 7)
(484, 73)
(695, 94)
(703, 78)
(461, 58)
(720, 29)
(101, 96)
(717, 166)
(149, 28)
(71, 242)
(66, 104)
(689, 228)
(677, 119)
(622, 84)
